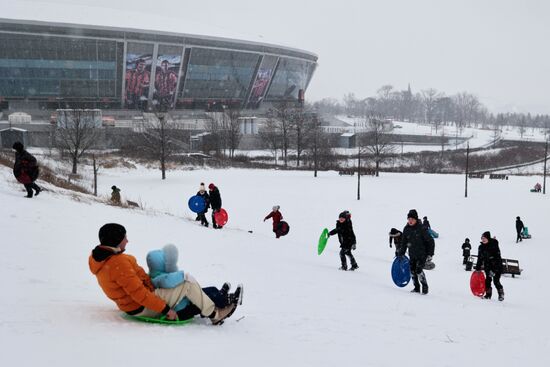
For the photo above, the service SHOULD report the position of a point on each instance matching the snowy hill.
(298, 310)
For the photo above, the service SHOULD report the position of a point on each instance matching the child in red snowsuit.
(277, 217)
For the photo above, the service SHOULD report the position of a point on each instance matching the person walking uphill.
(277, 217)
(128, 285)
(519, 229)
(202, 215)
(488, 256)
(26, 169)
(346, 236)
(215, 202)
(421, 245)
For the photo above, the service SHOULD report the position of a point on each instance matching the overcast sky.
(496, 49)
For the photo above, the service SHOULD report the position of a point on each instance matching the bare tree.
(270, 136)
(283, 113)
(161, 138)
(429, 101)
(376, 142)
(232, 130)
(77, 131)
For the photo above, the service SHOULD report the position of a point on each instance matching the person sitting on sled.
(128, 285)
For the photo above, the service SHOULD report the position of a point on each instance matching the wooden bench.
(509, 266)
(476, 175)
(347, 172)
(498, 176)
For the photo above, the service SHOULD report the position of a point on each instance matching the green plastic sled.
(322, 241)
(154, 320)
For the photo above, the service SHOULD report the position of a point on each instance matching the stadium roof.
(93, 17)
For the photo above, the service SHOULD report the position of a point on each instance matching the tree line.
(428, 106)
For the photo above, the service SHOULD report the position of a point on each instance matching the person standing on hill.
(420, 245)
(277, 217)
(519, 229)
(346, 236)
(203, 194)
(488, 257)
(26, 169)
(215, 203)
(466, 247)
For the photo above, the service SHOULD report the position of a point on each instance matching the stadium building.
(55, 65)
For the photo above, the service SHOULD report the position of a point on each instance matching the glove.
(354, 246)
(491, 274)
(390, 245)
(428, 259)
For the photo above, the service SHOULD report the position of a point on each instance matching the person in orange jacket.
(128, 285)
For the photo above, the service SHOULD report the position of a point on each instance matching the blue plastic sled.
(433, 233)
(196, 204)
(401, 271)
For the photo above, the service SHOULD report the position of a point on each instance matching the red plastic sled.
(477, 283)
(221, 217)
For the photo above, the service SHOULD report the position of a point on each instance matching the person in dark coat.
(346, 236)
(26, 169)
(421, 246)
(488, 257)
(202, 215)
(395, 235)
(426, 223)
(466, 247)
(519, 229)
(215, 202)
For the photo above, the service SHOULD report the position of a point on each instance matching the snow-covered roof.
(94, 17)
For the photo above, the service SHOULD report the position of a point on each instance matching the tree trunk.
(75, 163)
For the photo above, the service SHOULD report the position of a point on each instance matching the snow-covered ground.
(298, 310)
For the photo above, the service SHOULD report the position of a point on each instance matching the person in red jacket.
(277, 217)
(130, 287)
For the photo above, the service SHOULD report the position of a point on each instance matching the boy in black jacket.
(421, 247)
(346, 236)
(488, 256)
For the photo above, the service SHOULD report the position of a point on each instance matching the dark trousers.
(518, 238)
(417, 273)
(347, 252)
(495, 279)
(466, 256)
(29, 187)
(202, 217)
(220, 300)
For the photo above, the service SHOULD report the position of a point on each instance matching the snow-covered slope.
(299, 310)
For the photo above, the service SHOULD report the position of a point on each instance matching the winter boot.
(416, 283)
(500, 294)
(354, 266)
(221, 314)
(225, 289)
(343, 267)
(37, 191)
(424, 283)
(488, 293)
(237, 296)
